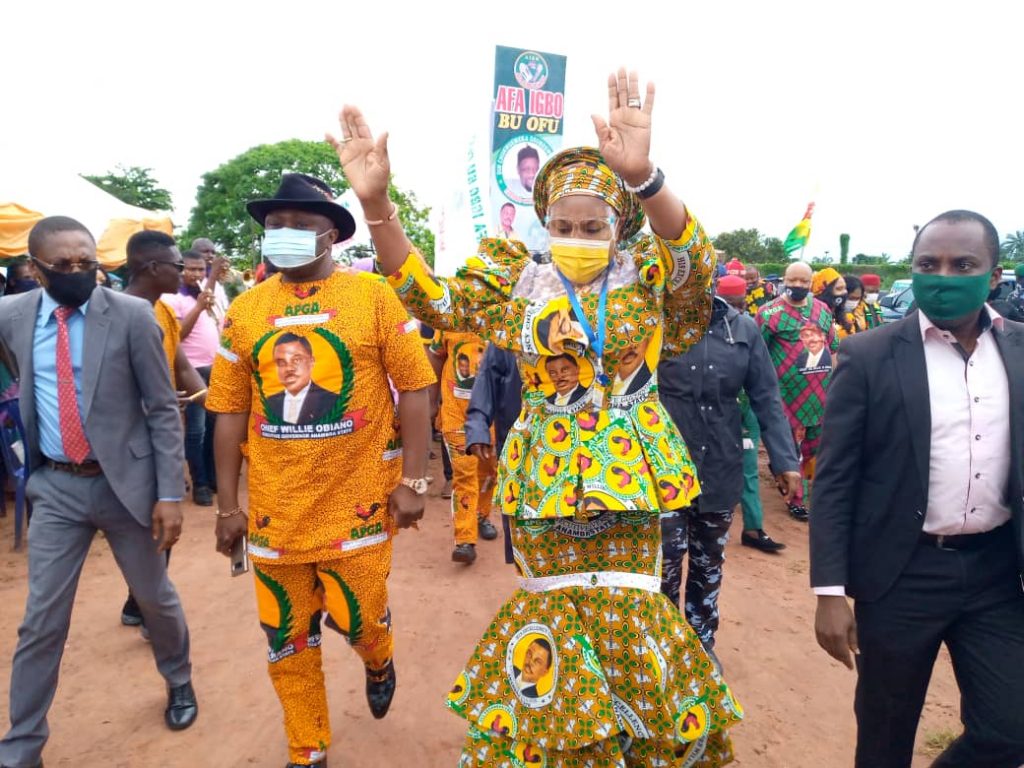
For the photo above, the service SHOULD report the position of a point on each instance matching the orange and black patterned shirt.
(462, 353)
(168, 323)
(310, 362)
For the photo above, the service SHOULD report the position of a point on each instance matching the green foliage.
(220, 214)
(1013, 247)
(750, 246)
(844, 248)
(134, 186)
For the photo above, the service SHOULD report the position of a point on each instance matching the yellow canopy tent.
(27, 197)
(16, 222)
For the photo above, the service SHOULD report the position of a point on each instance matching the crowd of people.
(605, 400)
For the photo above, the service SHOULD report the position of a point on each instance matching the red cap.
(871, 281)
(731, 285)
(735, 267)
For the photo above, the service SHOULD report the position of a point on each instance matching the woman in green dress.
(587, 664)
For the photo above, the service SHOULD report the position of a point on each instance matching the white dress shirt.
(969, 458)
(293, 404)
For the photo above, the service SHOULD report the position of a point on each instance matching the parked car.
(897, 304)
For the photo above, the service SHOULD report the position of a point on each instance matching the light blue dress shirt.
(44, 372)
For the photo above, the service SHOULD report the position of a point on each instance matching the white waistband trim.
(642, 581)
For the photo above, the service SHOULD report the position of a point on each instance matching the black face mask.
(797, 293)
(839, 300)
(71, 289)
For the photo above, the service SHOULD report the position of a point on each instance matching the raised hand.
(625, 139)
(364, 160)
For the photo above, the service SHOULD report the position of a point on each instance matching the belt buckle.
(940, 542)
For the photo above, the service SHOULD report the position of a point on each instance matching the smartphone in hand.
(240, 556)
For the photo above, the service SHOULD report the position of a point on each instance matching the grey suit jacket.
(129, 406)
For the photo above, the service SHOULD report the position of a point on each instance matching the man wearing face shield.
(330, 481)
(583, 480)
(802, 387)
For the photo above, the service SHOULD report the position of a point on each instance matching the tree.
(749, 246)
(220, 214)
(134, 186)
(774, 250)
(1013, 247)
(844, 248)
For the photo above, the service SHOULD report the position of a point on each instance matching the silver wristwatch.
(419, 485)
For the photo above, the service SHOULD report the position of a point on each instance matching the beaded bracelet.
(232, 513)
(638, 189)
(654, 187)
(394, 212)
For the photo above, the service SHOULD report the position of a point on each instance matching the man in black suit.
(302, 401)
(918, 513)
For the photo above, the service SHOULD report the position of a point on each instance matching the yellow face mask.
(580, 260)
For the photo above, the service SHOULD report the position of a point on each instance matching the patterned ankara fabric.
(586, 471)
(352, 592)
(168, 323)
(801, 342)
(758, 296)
(472, 479)
(472, 492)
(310, 362)
(592, 675)
(822, 279)
(582, 171)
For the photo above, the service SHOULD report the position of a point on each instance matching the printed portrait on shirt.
(631, 368)
(305, 381)
(815, 356)
(531, 663)
(465, 361)
(562, 379)
(552, 328)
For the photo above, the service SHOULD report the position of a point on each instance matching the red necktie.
(76, 444)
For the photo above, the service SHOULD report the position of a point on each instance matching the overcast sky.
(885, 113)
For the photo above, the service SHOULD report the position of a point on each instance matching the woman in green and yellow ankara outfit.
(587, 664)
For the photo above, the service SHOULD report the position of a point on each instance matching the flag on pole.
(801, 233)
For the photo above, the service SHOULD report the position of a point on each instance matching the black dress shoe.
(761, 540)
(487, 530)
(202, 496)
(131, 616)
(380, 689)
(799, 512)
(182, 707)
(464, 553)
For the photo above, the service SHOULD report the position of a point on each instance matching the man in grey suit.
(105, 449)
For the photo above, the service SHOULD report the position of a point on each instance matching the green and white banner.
(526, 129)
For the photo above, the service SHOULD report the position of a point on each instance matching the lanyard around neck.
(596, 338)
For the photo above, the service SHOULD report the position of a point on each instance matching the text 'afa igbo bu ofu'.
(587, 663)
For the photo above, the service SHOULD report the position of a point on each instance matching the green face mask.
(943, 297)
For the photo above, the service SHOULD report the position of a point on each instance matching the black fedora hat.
(299, 192)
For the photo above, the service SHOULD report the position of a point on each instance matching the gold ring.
(346, 140)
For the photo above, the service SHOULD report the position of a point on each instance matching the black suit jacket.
(871, 486)
(318, 403)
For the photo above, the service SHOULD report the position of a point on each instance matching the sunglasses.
(178, 265)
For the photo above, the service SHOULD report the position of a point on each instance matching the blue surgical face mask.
(287, 248)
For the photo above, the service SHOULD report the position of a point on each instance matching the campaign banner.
(526, 129)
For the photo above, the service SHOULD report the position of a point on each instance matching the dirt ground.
(109, 706)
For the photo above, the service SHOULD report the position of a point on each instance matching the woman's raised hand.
(625, 139)
(364, 161)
